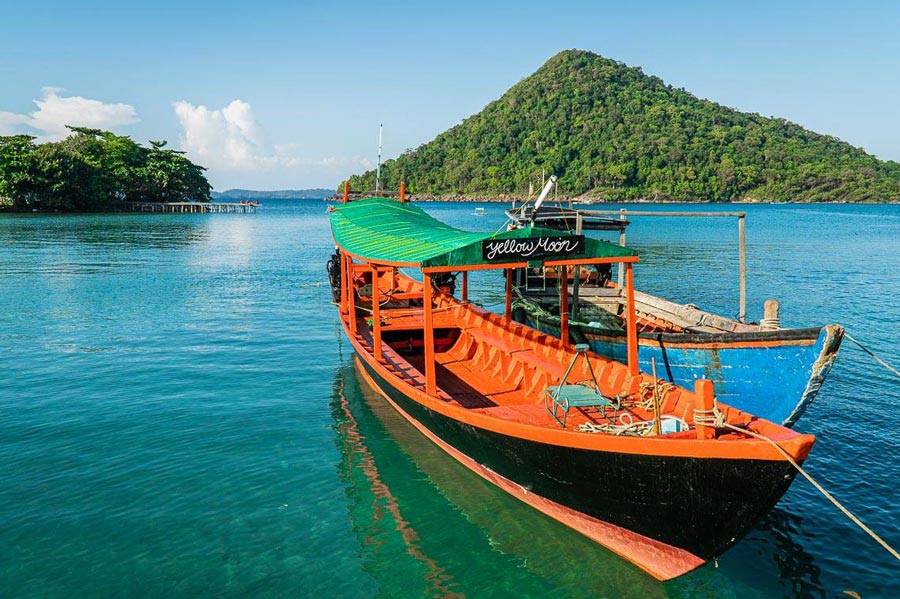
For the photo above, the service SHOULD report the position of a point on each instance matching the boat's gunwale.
(731, 448)
(804, 336)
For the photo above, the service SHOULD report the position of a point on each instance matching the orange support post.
(706, 401)
(345, 285)
(351, 296)
(631, 321)
(564, 304)
(430, 378)
(346, 191)
(508, 307)
(402, 192)
(376, 314)
(465, 286)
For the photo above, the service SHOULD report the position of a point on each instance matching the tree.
(94, 170)
(17, 169)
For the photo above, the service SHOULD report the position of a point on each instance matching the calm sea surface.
(180, 416)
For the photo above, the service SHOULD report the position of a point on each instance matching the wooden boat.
(774, 373)
(562, 218)
(761, 368)
(502, 397)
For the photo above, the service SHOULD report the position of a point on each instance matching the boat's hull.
(772, 374)
(667, 514)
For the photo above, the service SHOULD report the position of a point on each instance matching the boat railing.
(349, 195)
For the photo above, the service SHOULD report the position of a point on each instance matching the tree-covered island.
(611, 132)
(94, 170)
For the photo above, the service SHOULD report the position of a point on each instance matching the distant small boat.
(480, 212)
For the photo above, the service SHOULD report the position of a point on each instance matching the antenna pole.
(378, 168)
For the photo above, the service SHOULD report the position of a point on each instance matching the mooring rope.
(631, 428)
(869, 351)
(715, 417)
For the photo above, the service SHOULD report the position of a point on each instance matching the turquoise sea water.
(180, 416)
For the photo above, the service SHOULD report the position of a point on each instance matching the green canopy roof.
(385, 231)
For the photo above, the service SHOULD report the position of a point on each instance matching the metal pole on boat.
(376, 314)
(345, 283)
(430, 378)
(351, 295)
(465, 286)
(742, 244)
(509, 286)
(563, 304)
(631, 321)
(402, 192)
(621, 274)
(378, 168)
(577, 277)
(346, 191)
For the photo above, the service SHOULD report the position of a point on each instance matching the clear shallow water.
(180, 417)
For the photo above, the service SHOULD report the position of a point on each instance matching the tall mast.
(378, 168)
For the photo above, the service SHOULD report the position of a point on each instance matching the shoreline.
(580, 201)
(480, 199)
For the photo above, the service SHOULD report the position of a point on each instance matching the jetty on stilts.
(195, 207)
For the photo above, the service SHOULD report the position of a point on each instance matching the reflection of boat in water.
(494, 394)
(410, 502)
(373, 506)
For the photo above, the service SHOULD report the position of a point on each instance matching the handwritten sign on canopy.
(532, 248)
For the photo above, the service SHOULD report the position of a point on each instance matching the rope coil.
(629, 428)
(713, 418)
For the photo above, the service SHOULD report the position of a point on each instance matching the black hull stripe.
(700, 505)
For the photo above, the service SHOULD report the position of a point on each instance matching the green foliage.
(95, 170)
(610, 131)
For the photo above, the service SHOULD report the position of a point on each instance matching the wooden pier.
(194, 207)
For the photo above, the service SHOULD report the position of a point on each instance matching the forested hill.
(610, 131)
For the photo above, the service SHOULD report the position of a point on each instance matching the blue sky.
(274, 95)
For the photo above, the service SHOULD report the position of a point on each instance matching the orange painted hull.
(666, 503)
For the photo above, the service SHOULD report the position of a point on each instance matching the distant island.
(282, 194)
(611, 132)
(93, 170)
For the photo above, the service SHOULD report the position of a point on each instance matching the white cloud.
(55, 111)
(226, 138)
(232, 144)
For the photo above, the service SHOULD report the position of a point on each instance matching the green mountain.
(610, 131)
